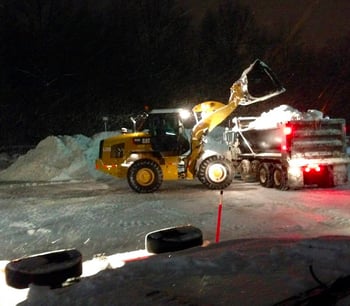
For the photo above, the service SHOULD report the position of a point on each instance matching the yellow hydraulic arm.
(213, 112)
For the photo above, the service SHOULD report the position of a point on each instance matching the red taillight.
(286, 143)
(316, 168)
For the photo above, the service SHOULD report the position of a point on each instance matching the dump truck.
(307, 149)
(158, 147)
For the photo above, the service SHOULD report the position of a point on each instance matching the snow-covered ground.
(249, 269)
(239, 272)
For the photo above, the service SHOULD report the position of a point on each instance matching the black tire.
(246, 171)
(173, 239)
(46, 269)
(265, 175)
(145, 176)
(215, 172)
(279, 177)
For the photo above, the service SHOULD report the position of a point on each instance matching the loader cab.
(167, 130)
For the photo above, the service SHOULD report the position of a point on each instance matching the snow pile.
(281, 114)
(5, 160)
(58, 158)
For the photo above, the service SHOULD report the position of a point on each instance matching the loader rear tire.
(265, 175)
(215, 172)
(173, 239)
(145, 176)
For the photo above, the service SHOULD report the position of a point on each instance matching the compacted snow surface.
(239, 272)
(248, 270)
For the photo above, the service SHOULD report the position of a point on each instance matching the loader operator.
(168, 135)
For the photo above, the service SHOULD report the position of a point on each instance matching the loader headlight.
(185, 114)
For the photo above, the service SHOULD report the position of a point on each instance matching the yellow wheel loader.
(159, 148)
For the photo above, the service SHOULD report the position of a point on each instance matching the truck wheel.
(246, 171)
(215, 172)
(279, 178)
(145, 176)
(173, 239)
(46, 269)
(265, 175)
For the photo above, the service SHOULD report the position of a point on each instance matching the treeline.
(66, 64)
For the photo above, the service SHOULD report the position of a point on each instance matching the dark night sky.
(96, 65)
(318, 20)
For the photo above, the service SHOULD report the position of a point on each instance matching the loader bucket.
(257, 83)
(260, 83)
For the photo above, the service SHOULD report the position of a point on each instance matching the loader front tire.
(215, 172)
(145, 176)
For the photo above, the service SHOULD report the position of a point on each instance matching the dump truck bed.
(298, 138)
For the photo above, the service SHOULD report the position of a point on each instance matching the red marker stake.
(218, 225)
